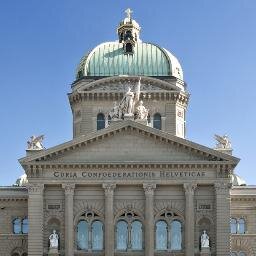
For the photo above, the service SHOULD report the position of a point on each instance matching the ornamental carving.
(190, 188)
(136, 206)
(81, 206)
(222, 187)
(149, 188)
(109, 188)
(35, 188)
(169, 205)
(69, 188)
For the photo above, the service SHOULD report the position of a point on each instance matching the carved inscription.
(124, 175)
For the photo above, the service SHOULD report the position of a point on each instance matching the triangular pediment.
(120, 84)
(128, 142)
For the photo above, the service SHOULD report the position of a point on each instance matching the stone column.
(35, 216)
(189, 219)
(69, 224)
(109, 219)
(149, 218)
(222, 193)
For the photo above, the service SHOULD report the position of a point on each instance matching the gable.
(128, 146)
(128, 142)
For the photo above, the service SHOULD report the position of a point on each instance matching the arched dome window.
(157, 122)
(89, 232)
(129, 232)
(100, 121)
(128, 48)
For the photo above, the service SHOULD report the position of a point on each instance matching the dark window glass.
(157, 123)
(233, 226)
(241, 226)
(161, 235)
(128, 48)
(100, 121)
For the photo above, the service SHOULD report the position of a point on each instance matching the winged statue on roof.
(223, 142)
(35, 142)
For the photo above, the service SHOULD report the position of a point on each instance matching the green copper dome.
(109, 59)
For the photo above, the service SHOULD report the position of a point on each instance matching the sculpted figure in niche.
(204, 240)
(54, 240)
(141, 111)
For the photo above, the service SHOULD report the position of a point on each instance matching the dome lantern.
(128, 33)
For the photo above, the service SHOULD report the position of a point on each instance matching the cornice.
(229, 162)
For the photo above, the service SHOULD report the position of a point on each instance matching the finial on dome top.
(128, 13)
(128, 32)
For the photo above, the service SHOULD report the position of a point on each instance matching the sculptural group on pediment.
(130, 106)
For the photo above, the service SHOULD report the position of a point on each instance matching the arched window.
(233, 226)
(17, 229)
(176, 236)
(97, 235)
(89, 232)
(121, 235)
(100, 121)
(241, 226)
(241, 254)
(82, 235)
(25, 225)
(157, 123)
(233, 254)
(136, 235)
(129, 232)
(168, 232)
(15, 254)
(24, 254)
(161, 235)
(128, 48)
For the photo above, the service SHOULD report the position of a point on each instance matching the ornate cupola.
(128, 33)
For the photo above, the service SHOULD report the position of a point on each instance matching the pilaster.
(189, 219)
(35, 216)
(109, 218)
(149, 189)
(69, 226)
(222, 193)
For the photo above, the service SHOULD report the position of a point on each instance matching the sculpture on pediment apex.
(35, 142)
(223, 142)
(130, 106)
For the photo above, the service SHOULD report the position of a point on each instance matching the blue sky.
(41, 43)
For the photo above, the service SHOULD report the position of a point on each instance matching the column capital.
(35, 188)
(221, 187)
(149, 188)
(69, 188)
(109, 188)
(190, 188)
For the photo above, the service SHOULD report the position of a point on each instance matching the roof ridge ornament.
(128, 13)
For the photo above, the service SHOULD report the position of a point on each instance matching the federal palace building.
(129, 182)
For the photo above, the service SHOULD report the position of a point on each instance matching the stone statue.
(128, 13)
(204, 240)
(223, 142)
(141, 111)
(115, 112)
(54, 240)
(35, 143)
(127, 105)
